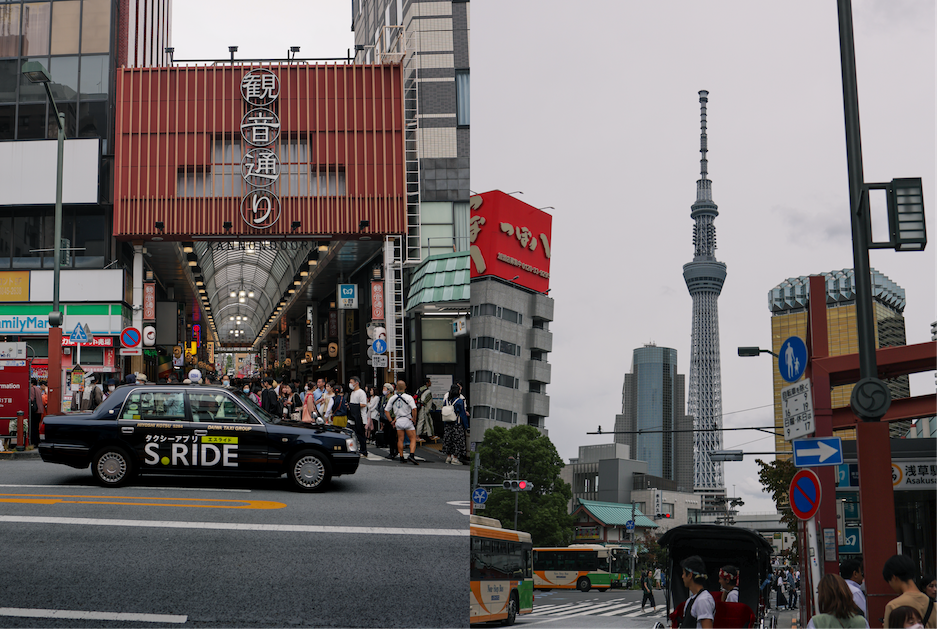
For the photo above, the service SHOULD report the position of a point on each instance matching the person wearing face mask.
(226, 382)
(358, 405)
(837, 609)
(905, 616)
(112, 385)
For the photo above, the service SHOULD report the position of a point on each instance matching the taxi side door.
(230, 438)
(155, 425)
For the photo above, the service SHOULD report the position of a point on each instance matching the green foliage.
(544, 509)
(650, 555)
(776, 477)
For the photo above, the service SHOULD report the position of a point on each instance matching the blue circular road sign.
(630, 525)
(379, 346)
(479, 495)
(792, 359)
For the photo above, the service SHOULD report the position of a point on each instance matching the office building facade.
(653, 396)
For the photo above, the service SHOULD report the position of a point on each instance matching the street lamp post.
(36, 73)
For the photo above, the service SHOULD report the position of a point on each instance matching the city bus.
(500, 572)
(581, 566)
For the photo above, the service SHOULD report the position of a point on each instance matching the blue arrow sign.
(479, 495)
(630, 525)
(792, 359)
(379, 346)
(78, 335)
(817, 452)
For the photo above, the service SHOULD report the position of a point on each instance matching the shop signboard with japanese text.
(14, 392)
(510, 239)
(14, 286)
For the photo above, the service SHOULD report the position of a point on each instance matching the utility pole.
(515, 511)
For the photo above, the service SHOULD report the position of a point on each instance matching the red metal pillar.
(817, 346)
(879, 530)
(54, 379)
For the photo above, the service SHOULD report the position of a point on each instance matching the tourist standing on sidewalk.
(837, 609)
(357, 414)
(455, 442)
(851, 570)
(372, 414)
(405, 413)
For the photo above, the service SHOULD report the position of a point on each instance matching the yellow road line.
(49, 499)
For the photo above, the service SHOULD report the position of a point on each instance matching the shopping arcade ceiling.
(269, 271)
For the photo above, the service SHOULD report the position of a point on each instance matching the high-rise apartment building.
(788, 306)
(653, 400)
(430, 39)
(704, 277)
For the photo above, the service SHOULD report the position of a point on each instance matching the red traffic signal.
(523, 485)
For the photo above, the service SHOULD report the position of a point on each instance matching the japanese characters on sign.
(510, 239)
(909, 475)
(260, 128)
(378, 301)
(150, 301)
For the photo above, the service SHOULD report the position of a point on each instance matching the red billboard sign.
(98, 341)
(510, 239)
(14, 392)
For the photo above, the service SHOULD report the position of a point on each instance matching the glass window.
(90, 233)
(7, 122)
(92, 355)
(436, 212)
(96, 25)
(217, 407)
(155, 405)
(27, 235)
(71, 113)
(463, 97)
(64, 73)
(93, 120)
(36, 19)
(436, 328)
(66, 15)
(439, 351)
(9, 71)
(31, 122)
(6, 237)
(94, 77)
(9, 30)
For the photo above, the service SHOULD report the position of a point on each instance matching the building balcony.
(538, 371)
(539, 339)
(541, 307)
(535, 404)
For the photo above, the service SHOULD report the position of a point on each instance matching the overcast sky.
(592, 108)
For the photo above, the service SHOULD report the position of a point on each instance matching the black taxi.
(195, 429)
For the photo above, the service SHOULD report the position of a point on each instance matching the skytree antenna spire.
(704, 277)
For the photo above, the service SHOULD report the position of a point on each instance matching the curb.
(14, 455)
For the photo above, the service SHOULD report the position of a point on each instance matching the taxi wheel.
(309, 471)
(112, 467)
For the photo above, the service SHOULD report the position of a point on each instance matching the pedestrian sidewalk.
(12, 454)
(428, 452)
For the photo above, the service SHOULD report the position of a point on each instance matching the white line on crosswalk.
(81, 615)
(580, 610)
(628, 607)
(242, 526)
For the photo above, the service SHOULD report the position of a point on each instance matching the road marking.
(580, 610)
(618, 611)
(50, 499)
(79, 615)
(213, 489)
(462, 506)
(243, 526)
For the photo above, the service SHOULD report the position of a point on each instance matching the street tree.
(543, 509)
(776, 477)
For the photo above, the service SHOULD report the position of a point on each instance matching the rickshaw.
(719, 546)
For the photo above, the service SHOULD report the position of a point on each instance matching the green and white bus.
(581, 566)
(500, 572)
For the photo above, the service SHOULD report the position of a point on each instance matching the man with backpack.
(405, 414)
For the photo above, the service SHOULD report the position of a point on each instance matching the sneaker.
(449, 459)
(456, 461)
(364, 455)
(402, 459)
(392, 457)
(411, 459)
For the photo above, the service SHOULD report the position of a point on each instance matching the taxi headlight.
(352, 445)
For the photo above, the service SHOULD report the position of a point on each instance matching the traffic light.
(659, 516)
(517, 485)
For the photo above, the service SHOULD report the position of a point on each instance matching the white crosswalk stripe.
(616, 607)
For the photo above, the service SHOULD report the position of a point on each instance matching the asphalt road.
(385, 547)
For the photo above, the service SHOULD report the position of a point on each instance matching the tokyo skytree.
(704, 277)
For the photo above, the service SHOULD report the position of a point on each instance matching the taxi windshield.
(259, 412)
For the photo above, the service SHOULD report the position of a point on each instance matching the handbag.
(297, 414)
